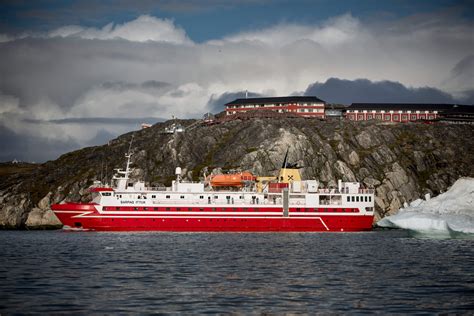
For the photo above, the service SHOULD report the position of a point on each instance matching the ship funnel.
(178, 174)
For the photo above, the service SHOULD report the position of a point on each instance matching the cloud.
(336, 90)
(32, 149)
(335, 31)
(149, 68)
(142, 29)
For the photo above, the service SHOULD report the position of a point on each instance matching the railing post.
(286, 202)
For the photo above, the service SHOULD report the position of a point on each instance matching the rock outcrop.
(402, 162)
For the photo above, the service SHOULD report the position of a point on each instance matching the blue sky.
(205, 20)
(78, 73)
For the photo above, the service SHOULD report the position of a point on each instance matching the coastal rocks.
(39, 218)
(353, 158)
(367, 139)
(14, 210)
(344, 172)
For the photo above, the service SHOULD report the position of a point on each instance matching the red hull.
(85, 216)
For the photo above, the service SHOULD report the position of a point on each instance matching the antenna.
(131, 141)
(285, 161)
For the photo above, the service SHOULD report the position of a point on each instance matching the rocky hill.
(402, 162)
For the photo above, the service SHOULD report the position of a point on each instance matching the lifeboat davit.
(232, 179)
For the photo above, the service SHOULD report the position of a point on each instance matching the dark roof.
(275, 100)
(406, 106)
(460, 109)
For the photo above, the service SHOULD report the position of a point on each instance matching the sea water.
(258, 273)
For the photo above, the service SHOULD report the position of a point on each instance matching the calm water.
(385, 272)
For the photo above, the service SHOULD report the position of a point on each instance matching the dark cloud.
(465, 65)
(216, 102)
(62, 69)
(336, 90)
(101, 120)
(31, 148)
(122, 85)
(102, 137)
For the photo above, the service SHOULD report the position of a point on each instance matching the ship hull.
(87, 217)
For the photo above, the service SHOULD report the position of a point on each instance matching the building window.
(167, 196)
(387, 117)
(413, 117)
(396, 117)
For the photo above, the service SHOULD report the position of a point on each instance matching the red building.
(395, 112)
(301, 105)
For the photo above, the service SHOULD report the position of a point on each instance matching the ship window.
(155, 208)
(190, 209)
(353, 199)
(130, 184)
(144, 197)
(135, 208)
(241, 197)
(348, 199)
(216, 197)
(182, 196)
(145, 208)
(370, 199)
(201, 197)
(213, 208)
(117, 208)
(167, 196)
(178, 209)
(366, 199)
(357, 199)
(167, 208)
(139, 197)
(153, 196)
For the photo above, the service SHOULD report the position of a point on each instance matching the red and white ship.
(226, 203)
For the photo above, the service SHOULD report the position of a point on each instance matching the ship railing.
(159, 189)
(220, 203)
(330, 191)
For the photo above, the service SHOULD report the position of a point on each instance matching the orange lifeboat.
(231, 179)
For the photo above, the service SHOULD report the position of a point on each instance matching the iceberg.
(450, 213)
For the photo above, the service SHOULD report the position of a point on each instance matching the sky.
(79, 73)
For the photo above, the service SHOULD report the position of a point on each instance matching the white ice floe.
(449, 213)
